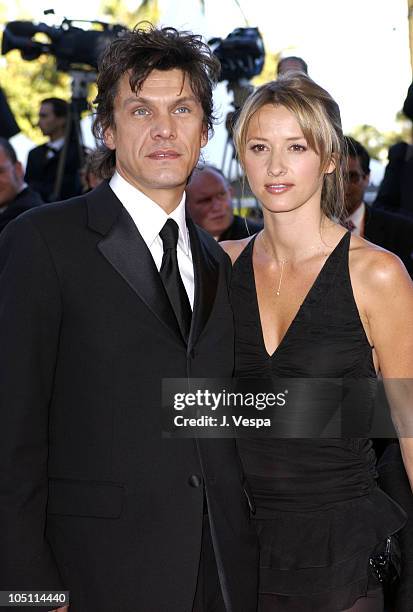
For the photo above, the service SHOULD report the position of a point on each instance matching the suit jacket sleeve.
(30, 174)
(30, 311)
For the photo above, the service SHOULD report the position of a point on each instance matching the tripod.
(80, 80)
(241, 90)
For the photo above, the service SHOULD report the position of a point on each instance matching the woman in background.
(312, 301)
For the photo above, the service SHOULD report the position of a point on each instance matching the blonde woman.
(312, 301)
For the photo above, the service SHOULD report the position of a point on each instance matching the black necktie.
(171, 277)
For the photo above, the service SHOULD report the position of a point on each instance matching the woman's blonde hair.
(319, 118)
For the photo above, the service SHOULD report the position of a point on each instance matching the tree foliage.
(26, 84)
(269, 71)
(377, 143)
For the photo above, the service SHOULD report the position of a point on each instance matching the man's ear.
(109, 138)
(367, 179)
(204, 136)
(19, 170)
(62, 122)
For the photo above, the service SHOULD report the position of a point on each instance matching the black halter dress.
(320, 513)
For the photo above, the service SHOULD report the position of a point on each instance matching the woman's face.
(283, 172)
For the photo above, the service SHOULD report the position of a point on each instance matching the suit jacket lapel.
(206, 271)
(124, 248)
(373, 229)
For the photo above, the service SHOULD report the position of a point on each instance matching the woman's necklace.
(280, 262)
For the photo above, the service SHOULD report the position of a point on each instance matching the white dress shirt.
(150, 218)
(54, 147)
(357, 218)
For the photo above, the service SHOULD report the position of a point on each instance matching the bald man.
(209, 203)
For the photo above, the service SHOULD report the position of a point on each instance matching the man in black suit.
(15, 196)
(43, 161)
(388, 230)
(209, 202)
(396, 189)
(395, 193)
(103, 296)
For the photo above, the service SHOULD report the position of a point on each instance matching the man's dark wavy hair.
(138, 52)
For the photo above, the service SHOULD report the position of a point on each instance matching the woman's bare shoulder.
(234, 248)
(376, 268)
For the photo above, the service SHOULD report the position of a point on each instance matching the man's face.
(157, 135)
(49, 123)
(356, 183)
(208, 197)
(11, 179)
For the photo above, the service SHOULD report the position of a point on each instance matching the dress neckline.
(343, 241)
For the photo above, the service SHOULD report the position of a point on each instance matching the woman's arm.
(389, 310)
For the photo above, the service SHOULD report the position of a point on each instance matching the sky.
(357, 49)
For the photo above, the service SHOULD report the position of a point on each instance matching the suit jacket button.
(194, 480)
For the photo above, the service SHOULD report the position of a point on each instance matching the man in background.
(386, 229)
(209, 202)
(43, 161)
(396, 189)
(15, 196)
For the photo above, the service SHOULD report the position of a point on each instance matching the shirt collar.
(358, 215)
(148, 216)
(56, 145)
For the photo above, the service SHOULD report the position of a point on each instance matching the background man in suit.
(103, 296)
(396, 189)
(15, 196)
(43, 161)
(209, 202)
(388, 230)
